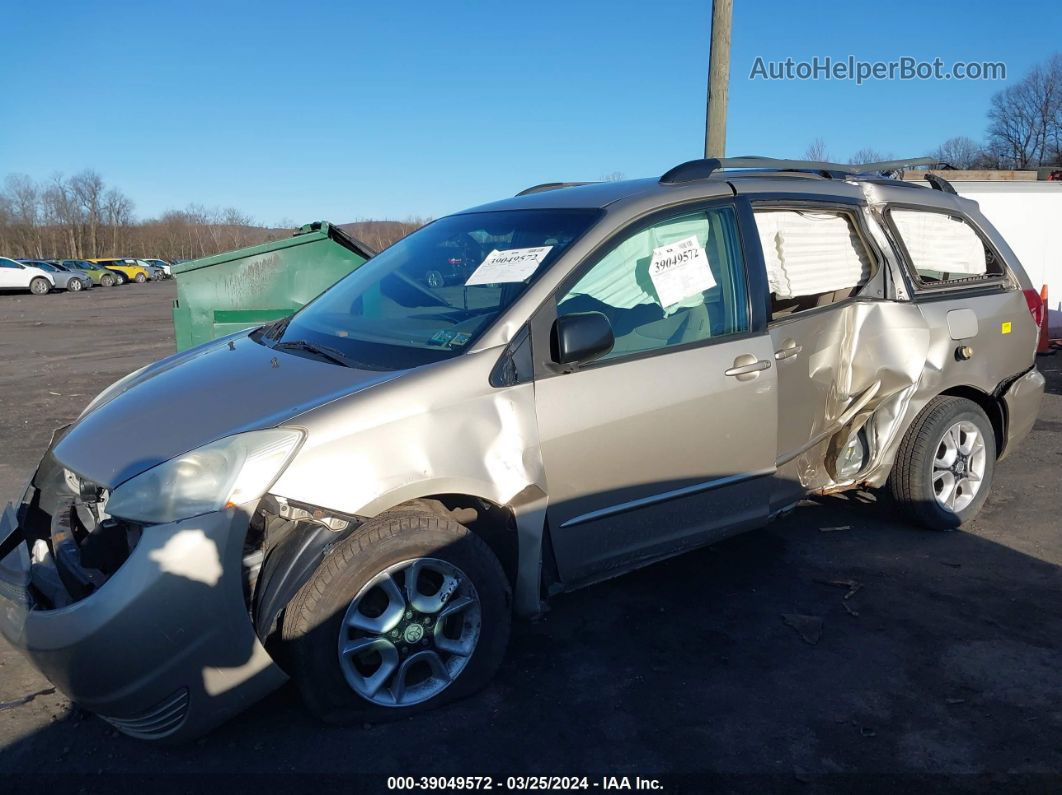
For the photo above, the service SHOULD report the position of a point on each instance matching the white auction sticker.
(680, 270)
(513, 265)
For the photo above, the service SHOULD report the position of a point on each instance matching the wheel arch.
(992, 405)
(493, 522)
(513, 532)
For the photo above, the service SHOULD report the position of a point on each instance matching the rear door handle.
(789, 349)
(746, 367)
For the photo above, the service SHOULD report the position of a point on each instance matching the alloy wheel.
(409, 632)
(959, 466)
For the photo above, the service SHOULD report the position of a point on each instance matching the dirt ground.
(836, 649)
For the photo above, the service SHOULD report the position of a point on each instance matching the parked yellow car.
(127, 269)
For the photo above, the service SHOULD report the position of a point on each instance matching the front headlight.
(230, 471)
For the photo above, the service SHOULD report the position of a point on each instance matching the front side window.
(432, 294)
(813, 257)
(944, 248)
(676, 282)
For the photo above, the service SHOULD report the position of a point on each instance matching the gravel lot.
(742, 665)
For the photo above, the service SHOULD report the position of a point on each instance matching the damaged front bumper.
(164, 647)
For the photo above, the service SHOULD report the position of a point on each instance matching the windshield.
(429, 296)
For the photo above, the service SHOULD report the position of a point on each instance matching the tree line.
(81, 217)
(1024, 128)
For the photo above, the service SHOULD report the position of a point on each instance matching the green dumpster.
(251, 286)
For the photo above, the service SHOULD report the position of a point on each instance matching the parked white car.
(158, 263)
(16, 276)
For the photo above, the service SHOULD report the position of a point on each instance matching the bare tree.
(1025, 119)
(816, 151)
(379, 234)
(84, 217)
(63, 214)
(118, 212)
(88, 189)
(613, 176)
(868, 154)
(236, 226)
(23, 200)
(959, 152)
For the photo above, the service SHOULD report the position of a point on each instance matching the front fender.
(439, 430)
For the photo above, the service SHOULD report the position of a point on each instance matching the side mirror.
(581, 337)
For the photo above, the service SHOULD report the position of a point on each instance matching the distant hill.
(378, 235)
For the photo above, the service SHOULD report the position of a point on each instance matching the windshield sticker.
(680, 270)
(442, 337)
(445, 338)
(513, 265)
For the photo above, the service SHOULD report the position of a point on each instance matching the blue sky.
(336, 111)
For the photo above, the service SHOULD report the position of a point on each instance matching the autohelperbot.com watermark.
(860, 71)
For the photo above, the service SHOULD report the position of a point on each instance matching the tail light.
(1036, 307)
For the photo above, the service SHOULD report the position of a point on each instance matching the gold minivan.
(360, 496)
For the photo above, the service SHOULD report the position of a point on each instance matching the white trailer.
(1029, 216)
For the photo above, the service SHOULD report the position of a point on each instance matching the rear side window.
(944, 248)
(814, 258)
(676, 282)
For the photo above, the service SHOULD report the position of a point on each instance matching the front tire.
(140, 278)
(944, 466)
(74, 286)
(108, 281)
(409, 612)
(39, 286)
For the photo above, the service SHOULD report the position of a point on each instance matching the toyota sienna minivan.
(360, 496)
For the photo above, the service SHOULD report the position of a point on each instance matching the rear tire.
(944, 466)
(39, 286)
(458, 637)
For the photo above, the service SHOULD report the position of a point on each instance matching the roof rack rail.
(552, 186)
(702, 169)
(938, 182)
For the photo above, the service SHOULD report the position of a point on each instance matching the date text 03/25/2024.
(524, 783)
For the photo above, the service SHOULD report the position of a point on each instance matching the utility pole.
(718, 79)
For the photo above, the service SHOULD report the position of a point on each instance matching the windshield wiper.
(321, 350)
(273, 330)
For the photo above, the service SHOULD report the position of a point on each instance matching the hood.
(178, 404)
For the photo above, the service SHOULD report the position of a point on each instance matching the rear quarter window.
(944, 249)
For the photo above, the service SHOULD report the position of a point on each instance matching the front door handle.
(746, 367)
(789, 348)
